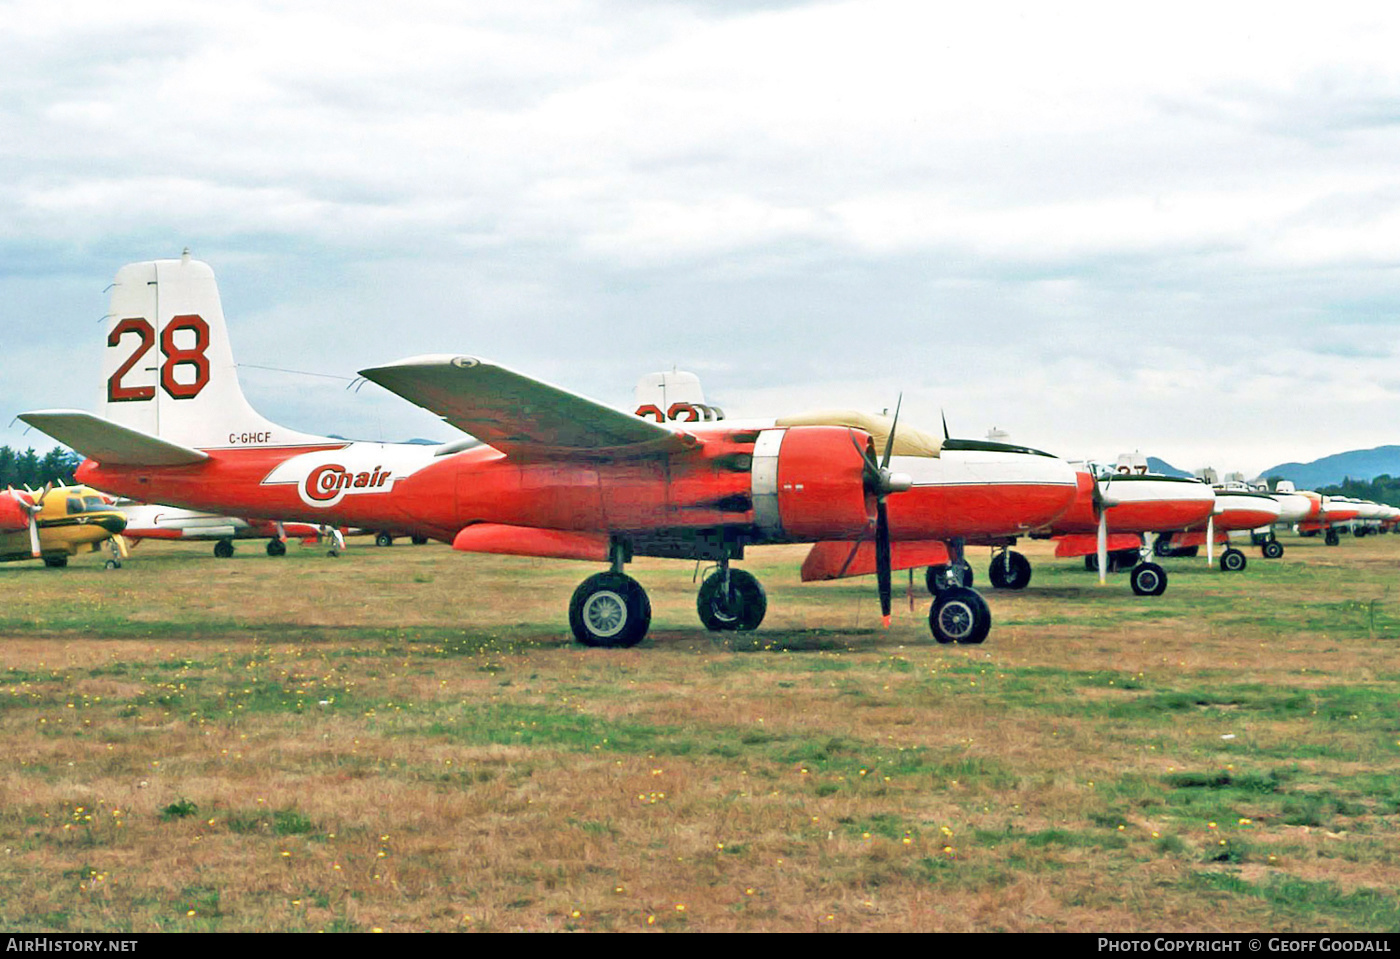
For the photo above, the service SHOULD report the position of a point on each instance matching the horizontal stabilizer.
(520, 416)
(108, 443)
(1085, 544)
(530, 541)
(837, 560)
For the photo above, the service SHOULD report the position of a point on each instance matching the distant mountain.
(1332, 470)
(1165, 468)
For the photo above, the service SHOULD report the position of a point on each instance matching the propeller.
(1101, 504)
(880, 482)
(33, 504)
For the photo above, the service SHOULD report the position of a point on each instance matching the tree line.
(30, 469)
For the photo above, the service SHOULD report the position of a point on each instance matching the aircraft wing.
(108, 443)
(521, 416)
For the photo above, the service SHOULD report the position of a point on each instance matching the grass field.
(407, 738)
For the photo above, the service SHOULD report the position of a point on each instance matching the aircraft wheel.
(1010, 571)
(223, 548)
(959, 615)
(1148, 579)
(1162, 545)
(1333, 537)
(55, 562)
(1232, 560)
(418, 540)
(113, 564)
(1273, 549)
(275, 547)
(609, 609)
(384, 539)
(742, 610)
(940, 578)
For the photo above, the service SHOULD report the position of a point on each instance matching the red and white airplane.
(155, 521)
(562, 476)
(1237, 509)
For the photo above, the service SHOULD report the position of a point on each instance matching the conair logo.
(326, 484)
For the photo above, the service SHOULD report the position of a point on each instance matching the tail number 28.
(175, 356)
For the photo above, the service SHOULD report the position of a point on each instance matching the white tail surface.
(167, 368)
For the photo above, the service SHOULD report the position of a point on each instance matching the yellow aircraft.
(54, 523)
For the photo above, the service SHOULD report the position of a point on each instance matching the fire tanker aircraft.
(562, 476)
(960, 491)
(156, 521)
(55, 523)
(1107, 516)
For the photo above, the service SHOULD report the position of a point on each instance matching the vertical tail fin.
(167, 367)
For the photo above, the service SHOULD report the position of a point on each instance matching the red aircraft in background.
(562, 476)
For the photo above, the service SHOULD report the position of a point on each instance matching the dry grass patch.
(407, 739)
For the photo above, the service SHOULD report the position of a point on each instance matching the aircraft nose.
(111, 522)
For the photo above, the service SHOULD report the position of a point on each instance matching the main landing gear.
(959, 614)
(1145, 576)
(612, 609)
(1268, 544)
(731, 599)
(1332, 538)
(1232, 560)
(1009, 570)
(223, 549)
(275, 547)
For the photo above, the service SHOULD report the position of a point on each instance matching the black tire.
(1148, 579)
(55, 562)
(223, 549)
(275, 547)
(1162, 545)
(1332, 538)
(610, 610)
(1273, 549)
(384, 539)
(112, 564)
(1233, 561)
(959, 615)
(741, 611)
(1009, 571)
(418, 540)
(936, 578)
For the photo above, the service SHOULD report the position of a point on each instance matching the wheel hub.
(605, 612)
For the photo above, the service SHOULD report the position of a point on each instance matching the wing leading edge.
(520, 416)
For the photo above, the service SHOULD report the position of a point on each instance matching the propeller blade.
(889, 443)
(1210, 539)
(1103, 547)
(882, 559)
(945, 424)
(34, 548)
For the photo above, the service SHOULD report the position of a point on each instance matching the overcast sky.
(1168, 227)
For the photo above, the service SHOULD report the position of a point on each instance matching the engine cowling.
(809, 484)
(13, 514)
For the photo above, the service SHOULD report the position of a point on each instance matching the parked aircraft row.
(550, 473)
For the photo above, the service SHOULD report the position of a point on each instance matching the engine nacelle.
(809, 484)
(13, 515)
